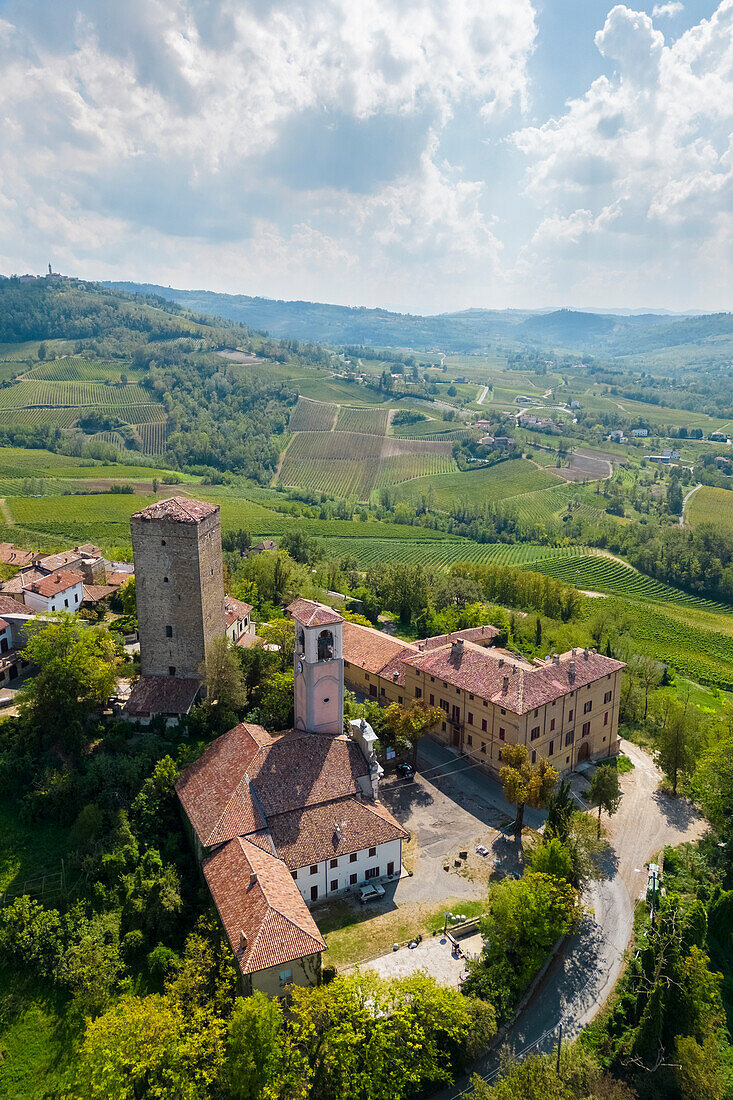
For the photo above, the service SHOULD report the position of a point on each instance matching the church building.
(282, 821)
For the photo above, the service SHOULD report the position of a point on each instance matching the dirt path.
(482, 396)
(685, 500)
(280, 461)
(6, 512)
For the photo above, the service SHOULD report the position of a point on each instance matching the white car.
(370, 893)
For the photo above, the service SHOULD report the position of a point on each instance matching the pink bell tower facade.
(318, 666)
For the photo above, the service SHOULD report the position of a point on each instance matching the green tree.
(280, 632)
(678, 742)
(253, 1048)
(524, 783)
(604, 791)
(77, 673)
(222, 675)
(553, 858)
(139, 1049)
(403, 726)
(301, 547)
(275, 710)
(128, 598)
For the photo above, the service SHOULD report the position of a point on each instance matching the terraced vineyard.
(312, 416)
(60, 394)
(77, 369)
(39, 418)
(370, 421)
(481, 486)
(350, 464)
(152, 435)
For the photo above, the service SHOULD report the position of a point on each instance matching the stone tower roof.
(177, 510)
(310, 613)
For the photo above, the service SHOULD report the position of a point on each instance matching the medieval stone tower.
(176, 546)
(318, 668)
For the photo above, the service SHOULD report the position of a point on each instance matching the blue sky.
(413, 154)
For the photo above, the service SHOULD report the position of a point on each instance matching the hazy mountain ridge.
(471, 330)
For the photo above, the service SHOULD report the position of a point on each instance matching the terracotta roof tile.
(478, 634)
(237, 781)
(509, 681)
(207, 787)
(246, 641)
(372, 650)
(11, 555)
(9, 606)
(310, 613)
(161, 695)
(307, 836)
(58, 561)
(235, 609)
(118, 577)
(95, 592)
(177, 510)
(264, 916)
(22, 580)
(55, 583)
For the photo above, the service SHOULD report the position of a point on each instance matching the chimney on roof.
(242, 939)
(337, 832)
(571, 671)
(457, 647)
(253, 878)
(573, 652)
(514, 668)
(395, 676)
(501, 662)
(556, 659)
(505, 685)
(585, 653)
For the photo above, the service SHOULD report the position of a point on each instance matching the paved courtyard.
(435, 955)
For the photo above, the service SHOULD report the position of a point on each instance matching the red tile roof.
(22, 580)
(310, 835)
(481, 635)
(161, 695)
(55, 583)
(118, 577)
(95, 592)
(9, 606)
(372, 650)
(235, 609)
(177, 509)
(56, 561)
(11, 555)
(509, 681)
(310, 613)
(265, 918)
(3, 624)
(238, 780)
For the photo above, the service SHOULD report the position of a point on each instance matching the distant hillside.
(473, 330)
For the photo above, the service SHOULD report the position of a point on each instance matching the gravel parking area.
(435, 955)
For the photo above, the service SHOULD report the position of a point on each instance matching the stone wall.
(180, 592)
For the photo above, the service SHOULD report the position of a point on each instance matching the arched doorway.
(583, 752)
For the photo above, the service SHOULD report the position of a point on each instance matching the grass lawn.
(356, 933)
(36, 1044)
(27, 851)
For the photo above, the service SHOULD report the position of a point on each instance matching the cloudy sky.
(423, 155)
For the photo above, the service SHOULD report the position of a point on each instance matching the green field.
(312, 416)
(74, 368)
(710, 505)
(24, 394)
(477, 487)
(351, 464)
(370, 421)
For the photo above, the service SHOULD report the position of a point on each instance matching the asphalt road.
(582, 977)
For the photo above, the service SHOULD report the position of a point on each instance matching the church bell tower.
(318, 665)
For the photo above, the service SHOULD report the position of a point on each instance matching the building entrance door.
(583, 752)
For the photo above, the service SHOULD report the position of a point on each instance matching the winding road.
(583, 975)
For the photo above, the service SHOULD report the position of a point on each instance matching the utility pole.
(559, 1046)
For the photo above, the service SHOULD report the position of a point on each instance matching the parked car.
(405, 771)
(370, 893)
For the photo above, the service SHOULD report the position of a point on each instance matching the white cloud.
(639, 170)
(169, 119)
(672, 8)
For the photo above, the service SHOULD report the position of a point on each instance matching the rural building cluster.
(280, 821)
